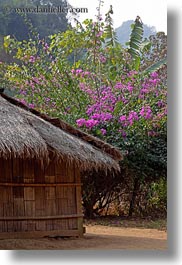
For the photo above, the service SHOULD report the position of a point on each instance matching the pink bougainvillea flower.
(80, 122)
(154, 75)
(103, 131)
(91, 123)
(146, 112)
(122, 118)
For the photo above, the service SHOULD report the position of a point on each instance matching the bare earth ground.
(97, 237)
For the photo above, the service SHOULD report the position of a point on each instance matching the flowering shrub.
(132, 102)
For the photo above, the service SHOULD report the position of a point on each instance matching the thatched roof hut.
(39, 152)
(26, 133)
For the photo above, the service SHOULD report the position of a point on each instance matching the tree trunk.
(88, 209)
(134, 194)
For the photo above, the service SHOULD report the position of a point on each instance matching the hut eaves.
(26, 133)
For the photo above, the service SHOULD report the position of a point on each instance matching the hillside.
(123, 32)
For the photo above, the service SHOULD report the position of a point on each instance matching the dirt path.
(97, 237)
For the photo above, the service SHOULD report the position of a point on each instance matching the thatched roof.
(26, 133)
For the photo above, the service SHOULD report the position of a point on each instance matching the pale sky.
(152, 12)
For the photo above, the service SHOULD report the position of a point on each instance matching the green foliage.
(155, 57)
(110, 34)
(136, 41)
(156, 66)
(159, 193)
(139, 48)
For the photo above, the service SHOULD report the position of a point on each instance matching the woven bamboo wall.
(36, 202)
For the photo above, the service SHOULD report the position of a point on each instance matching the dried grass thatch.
(26, 133)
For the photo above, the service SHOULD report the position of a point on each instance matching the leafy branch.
(111, 38)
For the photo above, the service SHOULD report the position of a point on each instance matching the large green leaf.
(135, 42)
(110, 34)
(136, 38)
(154, 67)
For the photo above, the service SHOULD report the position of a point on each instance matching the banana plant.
(136, 47)
(135, 42)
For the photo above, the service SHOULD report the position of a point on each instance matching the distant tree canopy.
(14, 24)
(19, 25)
